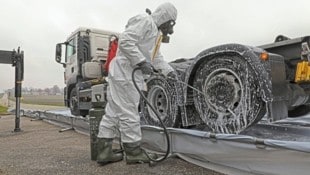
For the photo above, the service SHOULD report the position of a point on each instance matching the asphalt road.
(41, 149)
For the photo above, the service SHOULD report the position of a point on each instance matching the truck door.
(71, 70)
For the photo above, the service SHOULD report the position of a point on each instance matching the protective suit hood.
(164, 13)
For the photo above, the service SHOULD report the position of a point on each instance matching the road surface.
(41, 150)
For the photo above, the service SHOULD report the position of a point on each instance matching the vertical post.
(18, 62)
(17, 115)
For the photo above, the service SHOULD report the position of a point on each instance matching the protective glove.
(172, 76)
(146, 67)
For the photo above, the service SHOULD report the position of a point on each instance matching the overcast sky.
(37, 25)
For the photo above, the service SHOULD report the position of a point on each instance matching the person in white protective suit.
(138, 46)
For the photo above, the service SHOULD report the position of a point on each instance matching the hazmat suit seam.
(136, 31)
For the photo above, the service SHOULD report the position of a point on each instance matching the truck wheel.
(229, 99)
(299, 111)
(74, 103)
(162, 95)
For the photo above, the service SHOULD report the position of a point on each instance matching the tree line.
(55, 90)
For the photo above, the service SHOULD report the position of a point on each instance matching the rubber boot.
(105, 153)
(135, 154)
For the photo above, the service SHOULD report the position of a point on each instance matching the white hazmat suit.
(136, 44)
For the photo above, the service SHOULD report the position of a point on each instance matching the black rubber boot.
(106, 154)
(135, 154)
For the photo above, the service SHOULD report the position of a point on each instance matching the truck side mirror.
(58, 55)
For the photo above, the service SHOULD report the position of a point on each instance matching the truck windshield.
(71, 47)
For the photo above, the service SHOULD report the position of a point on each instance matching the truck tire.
(229, 99)
(162, 95)
(299, 111)
(73, 102)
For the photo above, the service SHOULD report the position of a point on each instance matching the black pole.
(18, 62)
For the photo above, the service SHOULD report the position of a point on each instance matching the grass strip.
(3, 110)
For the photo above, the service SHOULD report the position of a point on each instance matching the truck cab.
(83, 55)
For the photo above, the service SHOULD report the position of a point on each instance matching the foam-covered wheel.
(162, 95)
(230, 98)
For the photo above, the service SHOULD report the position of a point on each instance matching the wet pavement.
(41, 149)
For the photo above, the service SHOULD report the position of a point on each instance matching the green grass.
(3, 110)
(52, 100)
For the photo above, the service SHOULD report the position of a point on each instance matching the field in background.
(3, 110)
(53, 100)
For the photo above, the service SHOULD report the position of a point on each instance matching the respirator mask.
(166, 29)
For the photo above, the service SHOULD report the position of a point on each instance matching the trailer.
(240, 85)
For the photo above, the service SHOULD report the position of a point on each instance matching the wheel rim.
(159, 100)
(222, 89)
(73, 101)
(231, 100)
(162, 95)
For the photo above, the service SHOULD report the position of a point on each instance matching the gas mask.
(166, 29)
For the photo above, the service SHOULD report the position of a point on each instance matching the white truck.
(83, 55)
(227, 88)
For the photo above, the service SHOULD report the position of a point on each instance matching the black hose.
(157, 115)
